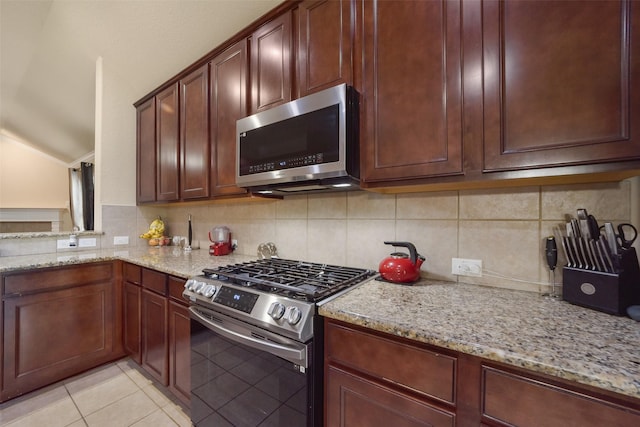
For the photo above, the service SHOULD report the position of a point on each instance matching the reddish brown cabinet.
(229, 83)
(167, 140)
(157, 327)
(325, 44)
(179, 342)
(58, 322)
(154, 325)
(146, 151)
(195, 147)
(389, 380)
(271, 63)
(131, 303)
(411, 104)
(513, 399)
(559, 83)
(374, 380)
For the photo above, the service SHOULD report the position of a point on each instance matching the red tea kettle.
(400, 267)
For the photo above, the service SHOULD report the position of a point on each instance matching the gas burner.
(294, 279)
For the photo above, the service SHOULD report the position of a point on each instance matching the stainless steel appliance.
(306, 145)
(257, 341)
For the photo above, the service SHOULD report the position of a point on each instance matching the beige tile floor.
(117, 394)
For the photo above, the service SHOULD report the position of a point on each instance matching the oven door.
(242, 375)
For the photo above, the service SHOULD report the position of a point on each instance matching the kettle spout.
(419, 261)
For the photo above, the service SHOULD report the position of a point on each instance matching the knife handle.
(551, 252)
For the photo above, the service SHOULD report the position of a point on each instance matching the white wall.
(31, 179)
(116, 144)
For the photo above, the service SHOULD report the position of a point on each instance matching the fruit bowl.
(159, 241)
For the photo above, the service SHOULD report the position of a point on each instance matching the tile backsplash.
(505, 228)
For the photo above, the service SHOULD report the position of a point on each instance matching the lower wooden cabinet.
(58, 322)
(511, 399)
(155, 339)
(179, 351)
(131, 300)
(372, 379)
(157, 327)
(353, 400)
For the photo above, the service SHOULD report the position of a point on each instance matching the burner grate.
(297, 279)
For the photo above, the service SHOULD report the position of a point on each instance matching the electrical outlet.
(63, 244)
(466, 267)
(121, 240)
(87, 242)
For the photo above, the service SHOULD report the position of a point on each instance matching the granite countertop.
(513, 327)
(168, 259)
(517, 328)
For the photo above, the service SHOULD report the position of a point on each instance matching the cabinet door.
(167, 139)
(53, 335)
(155, 343)
(180, 351)
(355, 401)
(324, 45)
(559, 83)
(146, 152)
(228, 104)
(411, 105)
(194, 135)
(132, 321)
(271, 64)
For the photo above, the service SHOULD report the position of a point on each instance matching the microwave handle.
(294, 355)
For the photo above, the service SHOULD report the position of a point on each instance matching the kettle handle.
(413, 253)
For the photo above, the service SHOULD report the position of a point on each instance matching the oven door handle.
(294, 355)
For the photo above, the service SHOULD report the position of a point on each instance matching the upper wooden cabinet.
(325, 45)
(411, 104)
(453, 94)
(167, 134)
(271, 63)
(146, 151)
(228, 104)
(195, 151)
(560, 83)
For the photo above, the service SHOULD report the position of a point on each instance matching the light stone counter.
(513, 327)
(517, 328)
(168, 259)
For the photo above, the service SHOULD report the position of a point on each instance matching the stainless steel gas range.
(257, 341)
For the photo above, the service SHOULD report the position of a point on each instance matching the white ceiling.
(48, 52)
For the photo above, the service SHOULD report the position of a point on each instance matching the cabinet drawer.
(424, 371)
(155, 281)
(517, 400)
(354, 401)
(63, 277)
(176, 286)
(132, 273)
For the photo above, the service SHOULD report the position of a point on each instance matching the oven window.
(236, 385)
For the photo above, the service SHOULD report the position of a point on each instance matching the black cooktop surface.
(294, 279)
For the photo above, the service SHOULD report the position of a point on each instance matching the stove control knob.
(293, 315)
(190, 284)
(276, 311)
(197, 287)
(209, 290)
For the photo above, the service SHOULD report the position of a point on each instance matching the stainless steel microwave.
(306, 145)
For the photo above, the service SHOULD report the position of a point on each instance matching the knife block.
(607, 292)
